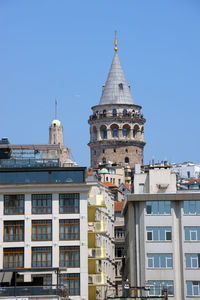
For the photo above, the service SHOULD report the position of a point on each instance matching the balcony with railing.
(13, 264)
(70, 264)
(42, 264)
(14, 210)
(97, 253)
(14, 238)
(97, 227)
(67, 236)
(119, 236)
(30, 291)
(97, 279)
(129, 115)
(42, 237)
(97, 200)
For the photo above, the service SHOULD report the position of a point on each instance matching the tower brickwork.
(117, 124)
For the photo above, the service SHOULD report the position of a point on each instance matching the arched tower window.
(104, 160)
(126, 160)
(136, 131)
(126, 130)
(115, 132)
(104, 112)
(94, 133)
(103, 131)
(125, 112)
(114, 112)
(114, 129)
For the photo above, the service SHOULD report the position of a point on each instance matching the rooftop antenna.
(56, 109)
(115, 41)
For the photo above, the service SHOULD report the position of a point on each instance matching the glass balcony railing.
(97, 227)
(97, 253)
(97, 200)
(97, 279)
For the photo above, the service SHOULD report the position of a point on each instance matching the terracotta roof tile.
(118, 205)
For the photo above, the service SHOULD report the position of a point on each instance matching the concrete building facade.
(162, 235)
(46, 222)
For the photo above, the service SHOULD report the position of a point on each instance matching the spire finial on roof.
(56, 109)
(115, 41)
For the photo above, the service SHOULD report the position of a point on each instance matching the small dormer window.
(121, 86)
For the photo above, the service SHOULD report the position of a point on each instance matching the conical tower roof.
(116, 89)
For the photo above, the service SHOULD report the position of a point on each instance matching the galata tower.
(117, 124)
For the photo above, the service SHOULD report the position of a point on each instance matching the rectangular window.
(70, 256)
(192, 260)
(13, 258)
(141, 188)
(13, 204)
(69, 229)
(157, 286)
(69, 203)
(71, 282)
(192, 207)
(41, 257)
(41, 230)
(160, 260)
(42, 204)
(119, 251)
(13, 231)
(44, 279)
(158, 207)
(193, 288)
(192, 233)
(159, 233)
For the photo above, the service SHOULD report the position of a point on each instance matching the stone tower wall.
(116, 135)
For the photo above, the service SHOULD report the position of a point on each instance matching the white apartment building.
(44, 223)
(162, 235)
(187, 170)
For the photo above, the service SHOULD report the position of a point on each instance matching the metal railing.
(69, 236)
(117, 115)
(41, 210)
(42, 237)
(30, 291)
(11, 265)
(14, 238)
(70, 264)
(69, 209)
(41, 264)
(13, 210)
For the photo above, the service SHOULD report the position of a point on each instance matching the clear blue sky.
(61, 49)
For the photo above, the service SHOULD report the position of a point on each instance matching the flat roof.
(179, 196)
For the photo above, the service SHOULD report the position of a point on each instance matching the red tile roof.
(118, 205)
(106, 183)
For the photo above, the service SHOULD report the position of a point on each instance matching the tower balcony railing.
(97, 200)
(128, 115)
(97, 253)
(97, 227)
(97, 279)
